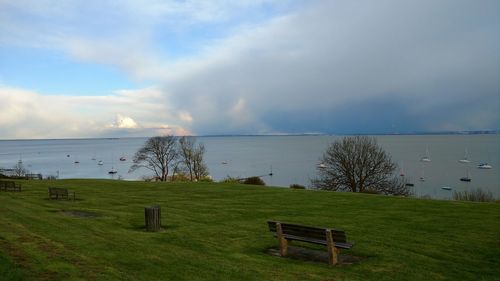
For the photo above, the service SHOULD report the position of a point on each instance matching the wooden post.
(332, 251)
(281, 240)
(153, 218)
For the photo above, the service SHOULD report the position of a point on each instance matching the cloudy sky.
(80, 68)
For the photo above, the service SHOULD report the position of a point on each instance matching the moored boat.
(484, 166)
(465, 159)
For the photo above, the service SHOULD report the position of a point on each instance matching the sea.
(290, 159)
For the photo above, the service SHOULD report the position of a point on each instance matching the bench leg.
(332, 251)
(281, 240)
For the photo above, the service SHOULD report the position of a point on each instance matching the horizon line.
(471, 132)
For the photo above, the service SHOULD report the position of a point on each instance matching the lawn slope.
(219, 232)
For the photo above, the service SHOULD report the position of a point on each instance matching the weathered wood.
(61, 193)
(334, 239)
(309, 233)
(332, 253)
(10, 186)
(281, 240)
(152, 216)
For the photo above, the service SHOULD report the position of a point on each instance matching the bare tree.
(396, 186)
(200, 169)
(158, 155)
(192, 158)
(357, 164)
(19, 170)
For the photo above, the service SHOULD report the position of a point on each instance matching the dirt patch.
(304, 254)
(81, 214)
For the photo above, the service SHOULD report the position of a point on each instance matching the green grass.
(219, 232)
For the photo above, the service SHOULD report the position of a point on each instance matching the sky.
(103, 68)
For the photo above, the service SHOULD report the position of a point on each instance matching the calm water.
(293, 159)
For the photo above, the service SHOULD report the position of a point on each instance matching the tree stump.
(153, 218)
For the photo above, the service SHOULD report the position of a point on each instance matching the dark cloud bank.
(354, 67)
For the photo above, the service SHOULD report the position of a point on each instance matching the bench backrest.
(308, 231)
(7, 184)
(58, 190)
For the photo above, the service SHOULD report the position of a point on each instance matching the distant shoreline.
(292, 135)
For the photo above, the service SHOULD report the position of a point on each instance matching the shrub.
(206, 179)
(179, 176)
(229, 179)
(297, 186)
(476, 195)
(254, 181)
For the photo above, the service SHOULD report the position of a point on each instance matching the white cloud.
(27, 114)
(124, 122)
(185, 116)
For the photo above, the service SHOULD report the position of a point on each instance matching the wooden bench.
(9, 186)
(60, 193)
(333, 239)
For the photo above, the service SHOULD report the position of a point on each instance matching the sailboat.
(465, 159)
(321, 165)
(404, 178)
(407, 183)
(426, 158)
(467, 177)
(484, 166)
(422, 177)
(112, 171)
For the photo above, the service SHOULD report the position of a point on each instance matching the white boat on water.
(446, 188)
(100, 163)
(484, 166)
(465, 159)
(426, 158)
(321, 165)
(422, 175)
(112, 171)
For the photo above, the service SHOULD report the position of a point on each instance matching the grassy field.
(219, 232)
